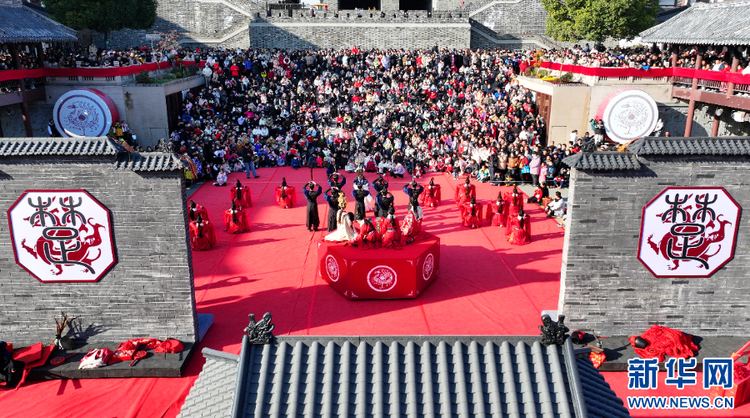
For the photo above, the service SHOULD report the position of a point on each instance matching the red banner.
(87, 72)
(650, 73)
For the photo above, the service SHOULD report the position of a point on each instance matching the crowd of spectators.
(394, 111)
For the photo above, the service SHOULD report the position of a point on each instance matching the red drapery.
(650, 73)
(88, 72)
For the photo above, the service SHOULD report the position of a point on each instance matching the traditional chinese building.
(22, 29)
(98, 233)
(434, 376)
(719, 28)
(655, 235)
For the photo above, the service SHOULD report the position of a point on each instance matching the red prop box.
(741, 389)
(380, 273)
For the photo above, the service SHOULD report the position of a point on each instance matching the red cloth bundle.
(597, 358)
(663, 341)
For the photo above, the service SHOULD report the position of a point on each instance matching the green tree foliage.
(103, 15)
(596, 20)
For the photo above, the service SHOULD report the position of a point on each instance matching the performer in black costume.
(337, 180)
(360, 193)
(332, 197)
(313, 220)
(385, 203)
(413, 190)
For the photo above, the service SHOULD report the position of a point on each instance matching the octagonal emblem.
(62, 235)
(688, 231)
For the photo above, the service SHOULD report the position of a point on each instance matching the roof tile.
(12, 147)
(732, 145)
(21, 24)
(149, 161)
(609, 160)
(723, 23)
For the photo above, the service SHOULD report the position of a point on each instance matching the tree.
(103, 15)
(596, 20)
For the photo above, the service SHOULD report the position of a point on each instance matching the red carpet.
(486, 286)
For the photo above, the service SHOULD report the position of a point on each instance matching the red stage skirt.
(204, 239)
(431, 199)
(289, 200)
(238, 227)
(380, 273)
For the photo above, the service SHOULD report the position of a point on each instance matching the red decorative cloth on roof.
(663, 341)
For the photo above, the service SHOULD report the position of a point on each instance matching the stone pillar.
(24, 101)
(735, 64)
(693, 90)
(389, 5)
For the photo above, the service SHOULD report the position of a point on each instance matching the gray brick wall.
(522, 17)
(213, 22)
(606, 288)
(322, 32)
(148, 293)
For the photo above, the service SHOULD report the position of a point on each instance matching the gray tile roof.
(731, 145)
(212, 395)
(438, 376)
(21, 24)
(603, 160)
(723, 23)
(601, 400)
(148, 161)
(57, 146)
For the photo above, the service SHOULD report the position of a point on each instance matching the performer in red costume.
(286, 196)
(196, 210)
(471, 216)
(496, 211)
(519, 229)
(431, 197)
(367, 236)
(235, 220)
(465, 192)
(411, 227)
(514, 205)
(390, 231)
(240, 196)
(202, 235)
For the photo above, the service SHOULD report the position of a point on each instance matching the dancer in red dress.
(472, 214)
(367, 236)
(196, 210)
(390, 231)
(496, 211)
(286, 196)
(235, 220)
(519, 229)
(202, 235)
(465, 192)
(240, 196)
(515, 203)
(431, 196)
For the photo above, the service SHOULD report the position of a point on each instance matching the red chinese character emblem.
(688, 232)
(62, 235)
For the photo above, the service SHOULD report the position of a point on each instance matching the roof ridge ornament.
(553, 332)
(260, 332)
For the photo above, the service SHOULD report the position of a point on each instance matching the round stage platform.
(380, 273)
